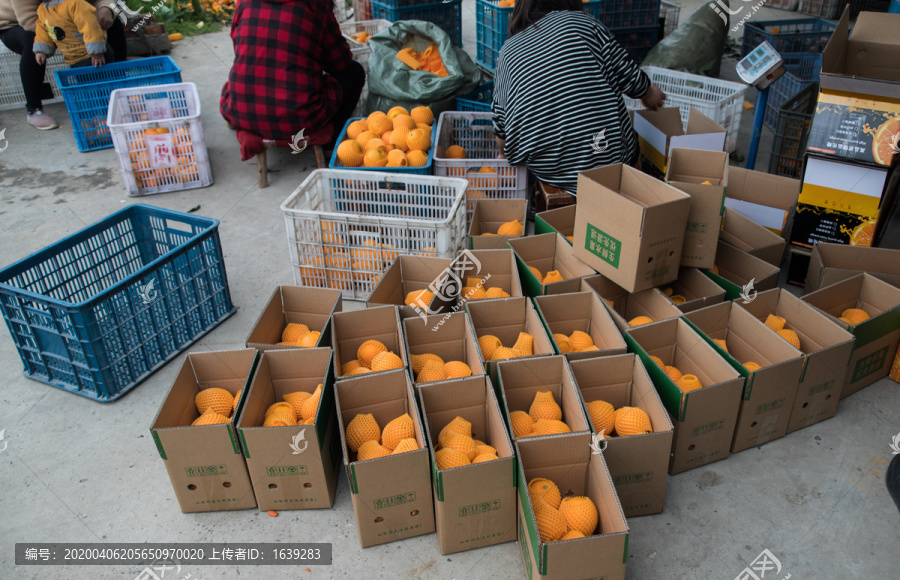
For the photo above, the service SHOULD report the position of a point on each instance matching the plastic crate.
(360, 50)
(99, 311)
(788, 36)
(624, 13)
(478, 100)
(822, 8)
(669, 14)
(342, 12)
(86, 91)
(473, 131)
(782, 4)
(11, 94)
(800, 70)
(721, 101)
(425, 170)
(345, 227)
(448, 16)
(792, 132)
(637, 41)
(362, 10)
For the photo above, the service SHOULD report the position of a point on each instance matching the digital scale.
(762, 67)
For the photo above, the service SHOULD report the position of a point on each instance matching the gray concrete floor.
(79, 471)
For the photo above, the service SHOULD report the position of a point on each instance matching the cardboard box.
(876, 338)
(747, 235)
(832, 263)
(412, 273)
(568, 462)
(505, 318)
(704, 419)
(769, 392)
(205, 463)
(698, 290)
(494, 268)
(661, 131)
(291, 467)
(450, 336)
(298, 304)
(629, 226)
(798, 265)
(702, 175)
(548, 197)
(350, 329)
(474, 505)
(489, 215)
(767, 199)
(391, 495)
(638, 463)
(584, 311)
(548, 252)
(740, 273)
(560, 220)
(624, 306)
(827, 348)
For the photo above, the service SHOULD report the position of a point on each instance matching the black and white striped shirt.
(558, 85)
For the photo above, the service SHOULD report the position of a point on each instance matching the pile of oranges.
(398, 138)
(624, 421)
(430, 367)
(372, 356)
(298, 334)
(777, 323)
(146, 176)
(685, 382)
(544, 417)
(512, 228)
(578, 341)
(215, 405)
(366, 439)
(297, 408)
(561, 518)
(457, 447)
(475, 290)
(492, 348)
(552, 276)
(341, 266)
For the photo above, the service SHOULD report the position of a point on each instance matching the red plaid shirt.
(284, 52)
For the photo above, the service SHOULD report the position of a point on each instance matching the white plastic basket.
(174, 107)
(782, 4)
(346, 227)
(473, 131)
(11, 94)
(362, 52)
(721, 101)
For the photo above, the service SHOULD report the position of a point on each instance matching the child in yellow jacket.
(72, 27)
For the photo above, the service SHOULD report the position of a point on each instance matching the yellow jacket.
(72, 27)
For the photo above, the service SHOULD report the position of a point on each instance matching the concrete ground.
(72, 470)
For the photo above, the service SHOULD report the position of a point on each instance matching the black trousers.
(351, 81)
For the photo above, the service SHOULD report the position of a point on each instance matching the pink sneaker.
(41, 121)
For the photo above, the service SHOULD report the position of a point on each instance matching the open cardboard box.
(351, 329)
(741, 274)
(584, 311)
(548, 252)
(414, 273)
(560, 220)
(629, 226)
(638, 463)
(698, 290)
(661, 131)
(291, 467)
(769, 392)
(474, 505)
(493, 268)
(747, 235)
(876, 338)
(489, 215)
(624, 306)
(568, 462)
(767, 199)
(298, 304)
(832, 263)
(826, 345)
(702, 175)
(391, 495)
(450, 336)
(205, 462)
(704, 419)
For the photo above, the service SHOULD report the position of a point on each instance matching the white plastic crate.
(488, 176)
(346, 227)
(362, 52)
(11, 94)
(721, 101)
(176, 109)
(789, 5)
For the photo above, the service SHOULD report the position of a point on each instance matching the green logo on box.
(870, 364)
(696, 228)
(633, 478)
(821, 387)
(708, 428)
(393, 500)
(284, 470)
(479, 508)
(603, 245)
(205, 470)
(770, 406)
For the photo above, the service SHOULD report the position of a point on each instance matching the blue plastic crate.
(426, 170)
(637, 40)
(478, 100)
(448, 16)
(788, 36)
(625, 13)
(86, 92)
(99, 311)
(800, 71)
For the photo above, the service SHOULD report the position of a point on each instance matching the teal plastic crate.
(478, 100)
(425, 170)
(447, 15)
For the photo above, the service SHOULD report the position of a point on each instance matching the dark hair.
(528, 12)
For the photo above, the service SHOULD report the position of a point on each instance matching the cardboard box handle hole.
(273, 486)
(379, 519)
(691, 447)
(226, 484)
(307, 485)
(192, 487)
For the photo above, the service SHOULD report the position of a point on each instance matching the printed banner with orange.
(851, 127)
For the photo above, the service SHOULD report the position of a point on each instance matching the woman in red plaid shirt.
(292, 70)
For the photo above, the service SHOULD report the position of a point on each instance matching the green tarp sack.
(697, 45)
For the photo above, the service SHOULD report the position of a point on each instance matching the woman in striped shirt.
(557, 105)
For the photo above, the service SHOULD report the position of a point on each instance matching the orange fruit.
(552, 276)
(488, 343)
(549, 427)
(854, 316)
(386, 137)
(668, 291)
(522, 424)
(237, 398)
(371, 450)
(632, 421)
(678, 299)
(572, 535)
(563, 342)
(356, 127)
(447, 458)
(367, 351)
(362, 428)
(721, 343)
(481, 448)
(580, 340)
(544, 489)
(658, 361)
(512, 228)
(420, 298)
(458, 426)
(603, 416)
(359, 371)
(375, 144)
(365, 137)
(395, 111)
(456, 370)
(350, 366)
(405, 121)
(639, 320)
(776, 323)
(422, 115)
(886, 142)
(350, 153)
(397, 158)
(378, 124)
(525, 343)
(215, 399)
(503, 353)
(432, 371)
(461, 443)
(672, 372)
(405, 445)
(310, 405)
(296, 400)
(473, 293)
(580, 514)
(544, 406)
(495, 292)
(416, 158)
(293, 331)
(210, 418)
(688, 383)
(550, 522)
(482, 457)
(376, 157)
(417, 361)
(398, 138)
(751, 366)
(418, 140)
(282, 406)
(385, 361)
(280, 418)
(536, 272)
(397, 430)
(790, 336)
(309, 339)
(455, 152)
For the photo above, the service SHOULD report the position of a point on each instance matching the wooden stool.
(262, 168)
(550, 197)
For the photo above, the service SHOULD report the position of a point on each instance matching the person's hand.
(98, 59)
(40, 57)
(105, 17)
(654, 98)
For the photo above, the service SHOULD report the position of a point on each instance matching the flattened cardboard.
(832, 263)
(548, 252)
(411, 273)
(767, 199)
(584, 311)
(747, 235)
(450, 336)
(876, 338)
(629, 226)
(560, 220)
(350, 329)
(474, 505)
(205, 463)
(568, 462)
(391, 495)
(661, 131)
(770, 391)
(702, 175)
(291, 467)
(827, 348)
(489, 215)
(495, 268)
(638, 463)
(698, 290)
(299, 304)
(704, 419)
(737, 269)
